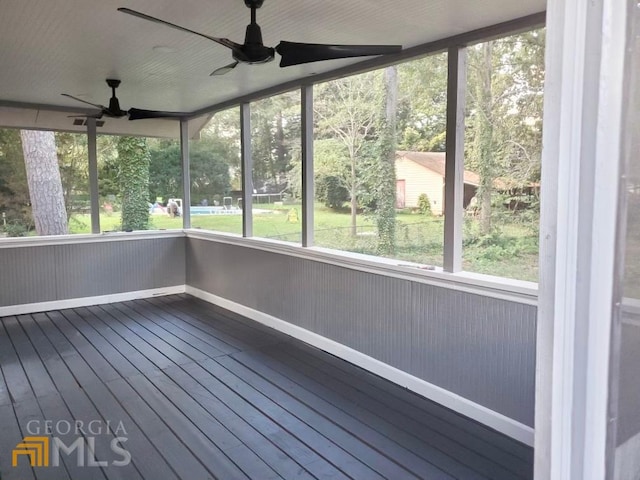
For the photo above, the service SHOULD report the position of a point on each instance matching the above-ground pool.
(215, 210)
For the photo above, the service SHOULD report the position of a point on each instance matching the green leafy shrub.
(424, 204)
(16, 229)
(331, 192)
(499, 245)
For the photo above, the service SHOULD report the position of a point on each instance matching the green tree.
(422, 104)
(275, 140)
(347, 109)
(133, 181)
(209, 170)
(521, 141)
(74, 171)
(224, 130)
(165, 170)
(14, 190)
(386, 185)
(210, 176)
(107, 147)
(484, 142)
(504, 123)
(331, 192)
(71, 163)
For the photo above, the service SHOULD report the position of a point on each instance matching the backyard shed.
(423, 173)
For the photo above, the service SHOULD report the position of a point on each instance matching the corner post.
(582, 135)
(454, 169)
(247, 170)
(94, 193)
(186, 174)
(307, 166)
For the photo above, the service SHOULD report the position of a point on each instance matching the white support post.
(94, 193)
(581, 149)
(247, 170)
(186, 174)
(307, 166)
(454, 169)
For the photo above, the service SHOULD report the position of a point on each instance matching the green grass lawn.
(511, 252)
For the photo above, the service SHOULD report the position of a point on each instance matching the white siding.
(421, 180)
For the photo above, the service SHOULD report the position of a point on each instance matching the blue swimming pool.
(214, 210)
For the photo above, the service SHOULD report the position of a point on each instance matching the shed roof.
(435, 161)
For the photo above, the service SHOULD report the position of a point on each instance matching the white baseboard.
(88, 301)
(466, 407)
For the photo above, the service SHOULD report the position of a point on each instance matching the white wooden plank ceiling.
(50, 47)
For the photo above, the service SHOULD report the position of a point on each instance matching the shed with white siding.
(423, 172)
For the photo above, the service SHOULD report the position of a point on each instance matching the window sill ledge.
(15, 242)
(497, 287)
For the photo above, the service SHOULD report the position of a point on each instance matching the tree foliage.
(275, 141)
(331, 192)
(504, 119)
(224, 131)
(348, 110)
(108, 185)
(133, 181)
(165, 171)
(14, 190)
(422, 104)
(73, 158)
(209, 169)
(484, 141)
(386, 166)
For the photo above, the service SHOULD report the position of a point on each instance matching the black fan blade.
(101, 107)
(222, 41)
(224, 70)
(298, 53)
(138, 114)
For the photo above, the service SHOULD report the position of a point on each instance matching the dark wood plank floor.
(200, 393)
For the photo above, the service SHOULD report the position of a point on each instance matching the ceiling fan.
(114, 110)
(253, 51)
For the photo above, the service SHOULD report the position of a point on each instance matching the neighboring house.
(423, 172)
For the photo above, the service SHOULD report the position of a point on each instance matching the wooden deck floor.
(203, 394)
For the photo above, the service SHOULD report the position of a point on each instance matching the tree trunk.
(386, 211)
(353, 190)
(354, 214)
(484, 136)
(45, 186)
(485, 211)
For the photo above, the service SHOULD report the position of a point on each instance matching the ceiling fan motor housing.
(253, 51)
(253, 3)
(114, 104)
